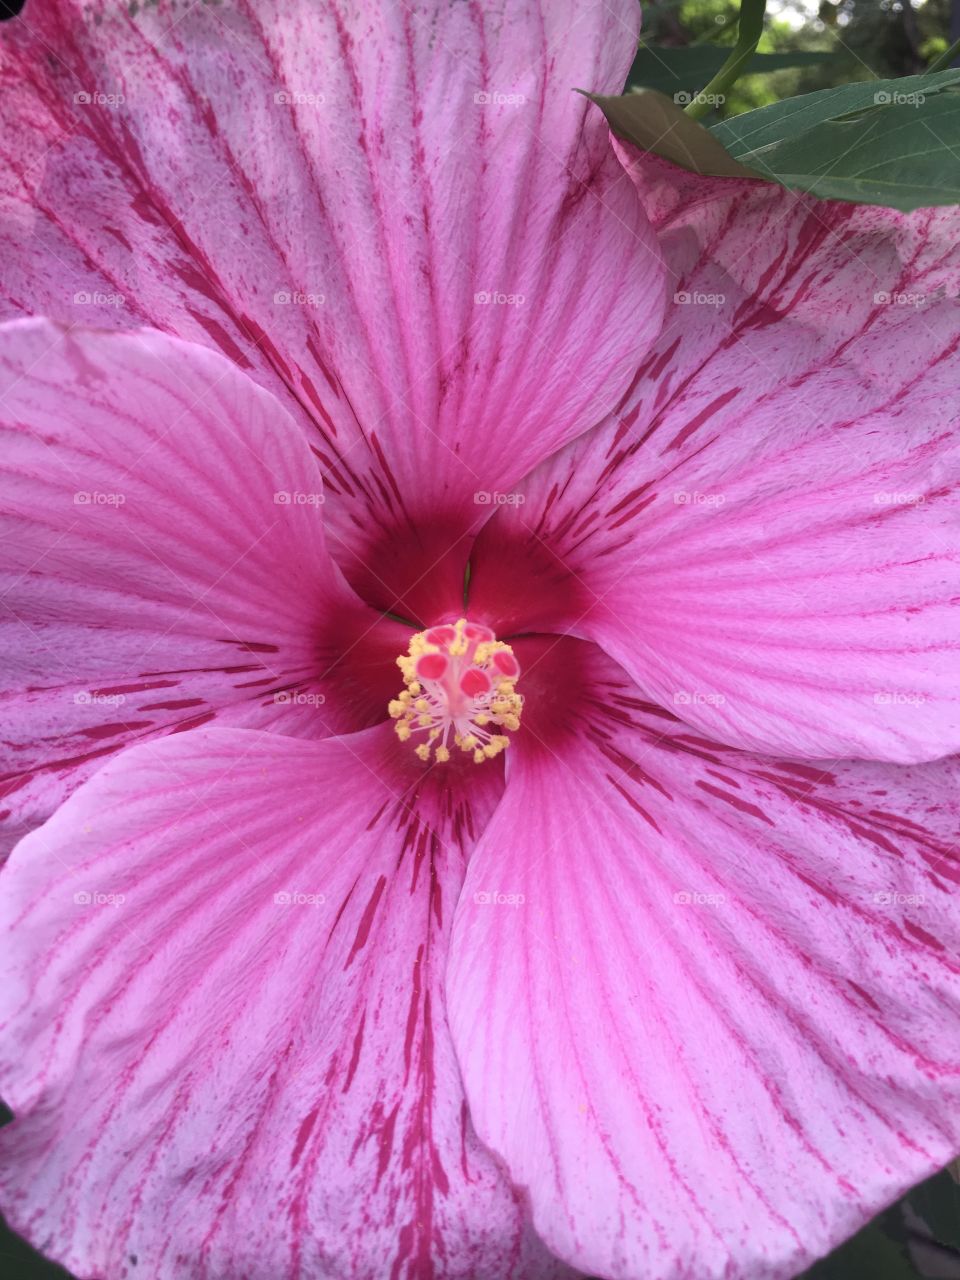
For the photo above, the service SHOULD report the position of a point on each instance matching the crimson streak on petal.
(721, 1022)
(225, 1000)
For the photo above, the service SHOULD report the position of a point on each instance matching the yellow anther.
(461, 696)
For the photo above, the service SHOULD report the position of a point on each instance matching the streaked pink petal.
(767, 538)
(706, 1005)
(226, 1042)
(402, 217)
(151, 578)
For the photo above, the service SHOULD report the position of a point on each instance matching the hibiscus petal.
(226, 1043)
(403, 217)
(705, 1005)
(767, 537)
(150, 577)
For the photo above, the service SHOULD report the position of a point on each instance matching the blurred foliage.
(867, 38)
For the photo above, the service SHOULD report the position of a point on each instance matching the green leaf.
(653, 122)
(886, 142)
(681, 69)
(937, 1202)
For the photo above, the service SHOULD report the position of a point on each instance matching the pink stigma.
(459, 692)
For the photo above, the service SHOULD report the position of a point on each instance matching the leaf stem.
(749, 31)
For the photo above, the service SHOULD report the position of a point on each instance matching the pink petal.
(226, 1042)
(385, 167)
(767, 538)
(149, 579)
(705, 1004)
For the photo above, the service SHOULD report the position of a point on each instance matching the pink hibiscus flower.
(668, 986)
